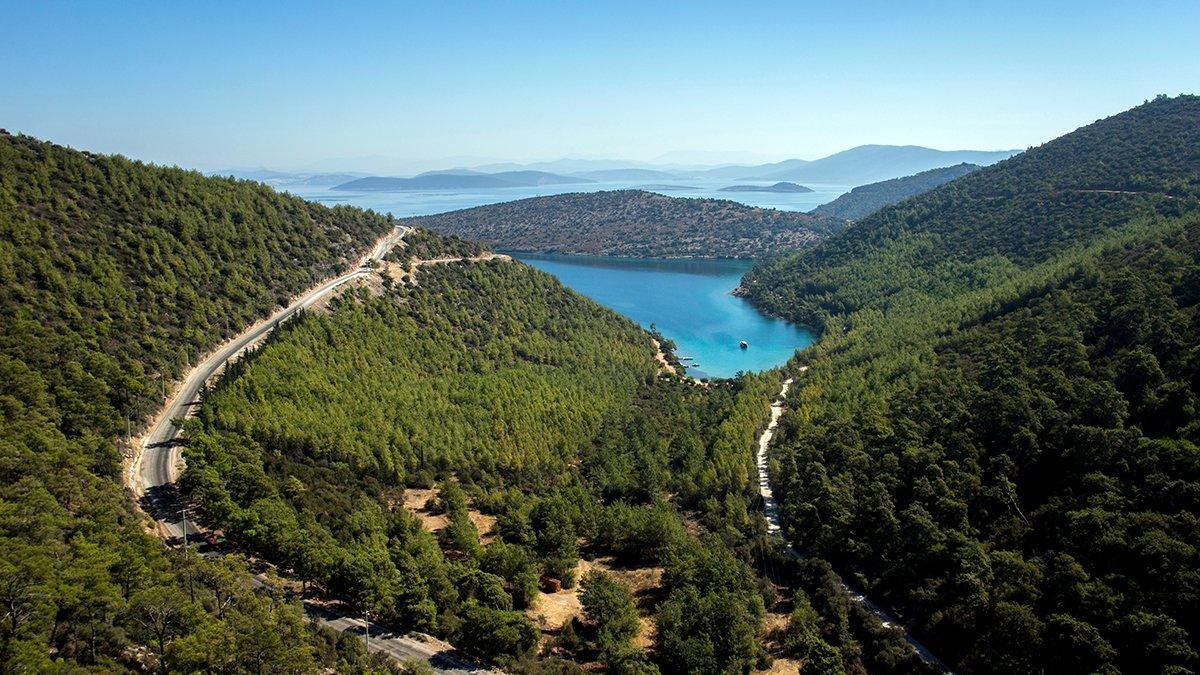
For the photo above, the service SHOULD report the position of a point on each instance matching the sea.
(688, 301)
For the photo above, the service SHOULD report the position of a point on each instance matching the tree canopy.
(115, 275)
(998, 431)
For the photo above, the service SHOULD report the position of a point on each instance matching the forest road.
(155, 467)
(153, 471)
(775, 529)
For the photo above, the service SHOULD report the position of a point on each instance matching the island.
(782, 186)
(447, 180)
(635, 224)
(668, 188)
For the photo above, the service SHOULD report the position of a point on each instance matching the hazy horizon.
(495, 164)
(406, 88)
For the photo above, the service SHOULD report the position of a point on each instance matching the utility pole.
(185, 538)
(367, 619)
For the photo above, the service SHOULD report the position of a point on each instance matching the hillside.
(998, 431)
(495, 395)
(116, 274)
(527, 434)
(871, 163)
(448, 180)
(867, 199)
(632, 223)
(1143, 163)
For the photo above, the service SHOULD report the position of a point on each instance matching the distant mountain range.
(629, 174)
(284, 179)
(857, 166)
(872, 163)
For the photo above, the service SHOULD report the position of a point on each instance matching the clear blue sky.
(211, 84)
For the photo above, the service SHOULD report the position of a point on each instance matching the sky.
(393, 85)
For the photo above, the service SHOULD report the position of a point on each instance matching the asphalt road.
(401, 648)
(153, 473)
(156, 468)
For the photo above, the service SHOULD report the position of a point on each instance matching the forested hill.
(142, 266)
(116, 274)
(867, 199)
(998, 432)
(547, 415)
(1141, 163)
(633, 223)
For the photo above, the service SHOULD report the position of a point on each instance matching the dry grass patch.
(782, 667)
(416, 502)
(553, 611)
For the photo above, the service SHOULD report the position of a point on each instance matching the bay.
(689, 302)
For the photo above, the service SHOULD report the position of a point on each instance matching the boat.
(743, 344)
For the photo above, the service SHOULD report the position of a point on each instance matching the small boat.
(743, 344)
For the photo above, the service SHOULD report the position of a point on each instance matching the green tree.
(609, 607)
(159, 611)
(711, 633)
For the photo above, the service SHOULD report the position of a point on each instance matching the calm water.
(689, 302)
(425, 202)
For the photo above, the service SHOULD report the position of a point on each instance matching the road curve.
(155, 466)
(775, 529)
(157, 460)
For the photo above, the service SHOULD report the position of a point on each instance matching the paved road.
(774, 528)
(153, 472)
(401, 648)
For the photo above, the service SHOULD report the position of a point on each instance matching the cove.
(689, 302)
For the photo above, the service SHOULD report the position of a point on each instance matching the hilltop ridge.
(632, 223)
(867, 199)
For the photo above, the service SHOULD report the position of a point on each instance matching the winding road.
(153, 471)
(775, 529)
(155, 466)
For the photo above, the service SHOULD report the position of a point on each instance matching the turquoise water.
(689, 302)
